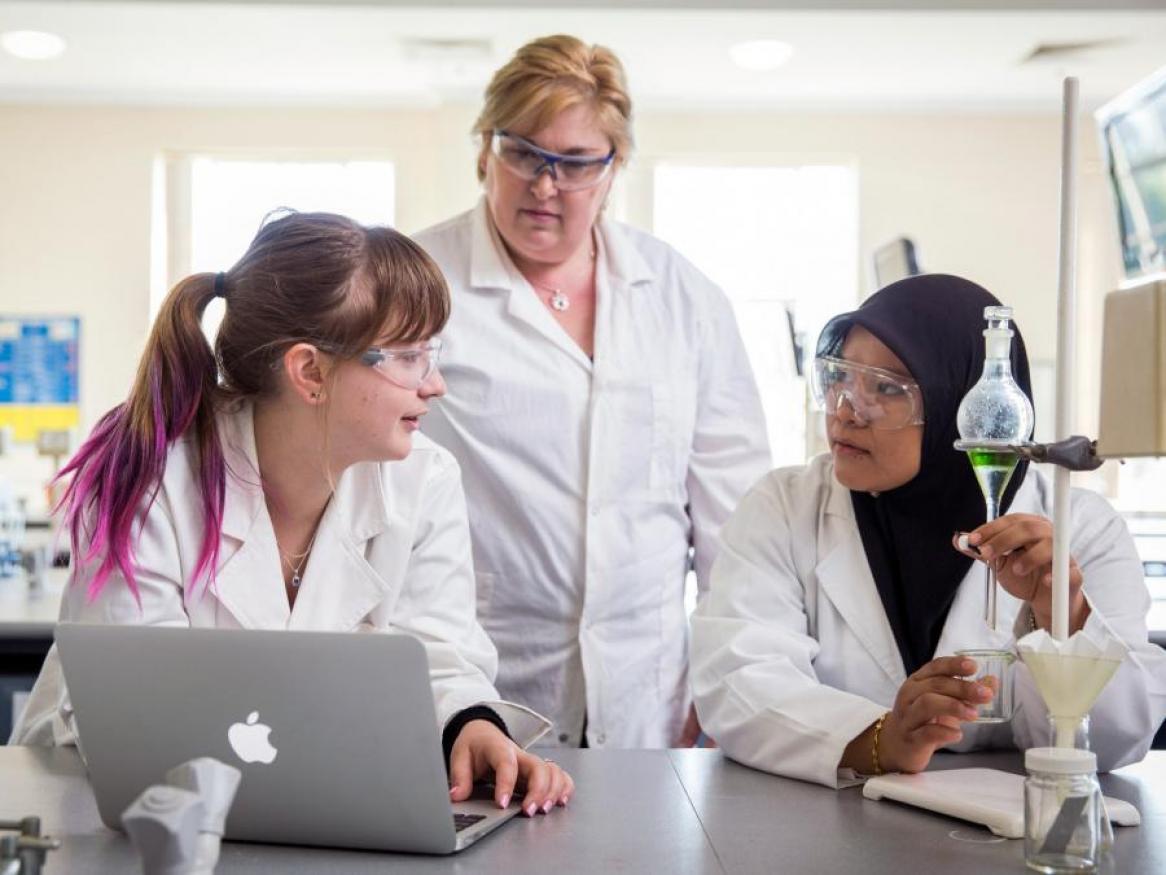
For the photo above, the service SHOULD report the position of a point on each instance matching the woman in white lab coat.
(601, 407)
(824, 648)
(276, 482)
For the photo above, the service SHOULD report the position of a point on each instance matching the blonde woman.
(601, 407)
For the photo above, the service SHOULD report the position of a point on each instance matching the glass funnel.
(994, 417)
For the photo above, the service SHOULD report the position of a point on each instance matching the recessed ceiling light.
(32, 45)
(760, 55)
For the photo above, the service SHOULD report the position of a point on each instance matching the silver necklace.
(559, 300)
(297, 567)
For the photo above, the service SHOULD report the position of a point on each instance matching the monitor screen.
(1133, 133)
(894, 261)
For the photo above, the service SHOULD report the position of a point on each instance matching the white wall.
(978, 193)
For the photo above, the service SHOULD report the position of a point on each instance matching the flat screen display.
(1133, 132)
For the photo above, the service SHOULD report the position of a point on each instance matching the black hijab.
(934, 323)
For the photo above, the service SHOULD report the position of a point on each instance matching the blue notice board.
(39, 360)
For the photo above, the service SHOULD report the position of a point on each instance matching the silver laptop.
(335, 733)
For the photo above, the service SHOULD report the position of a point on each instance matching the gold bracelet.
(874, 748)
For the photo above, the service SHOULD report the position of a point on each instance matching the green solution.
(993, 470)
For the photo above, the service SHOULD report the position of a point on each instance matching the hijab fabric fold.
(934, 323)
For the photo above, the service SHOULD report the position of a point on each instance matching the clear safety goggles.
(569, 172)
(407, 367)
(881, 399)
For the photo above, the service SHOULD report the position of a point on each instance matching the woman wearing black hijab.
(824, 648)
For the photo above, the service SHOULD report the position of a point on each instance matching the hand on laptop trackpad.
(484, 792)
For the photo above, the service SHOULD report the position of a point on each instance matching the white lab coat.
(392, 554)
(587, 482)
(793, 656)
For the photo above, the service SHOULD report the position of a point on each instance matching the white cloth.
(793, 655)
(392, 554)
(588, 481)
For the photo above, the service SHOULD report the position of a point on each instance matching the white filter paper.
(1072, 674)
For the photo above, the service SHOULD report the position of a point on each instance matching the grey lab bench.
(679, 811)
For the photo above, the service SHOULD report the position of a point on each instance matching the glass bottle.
(1061, 810)
(1081, 742)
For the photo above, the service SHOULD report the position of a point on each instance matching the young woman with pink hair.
(277, 481)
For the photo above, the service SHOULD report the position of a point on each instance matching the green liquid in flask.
(993, 470)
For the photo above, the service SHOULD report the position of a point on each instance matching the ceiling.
(388, 54)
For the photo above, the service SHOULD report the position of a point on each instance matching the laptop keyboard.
(461, 821)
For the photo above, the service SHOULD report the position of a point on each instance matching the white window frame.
(172, 221)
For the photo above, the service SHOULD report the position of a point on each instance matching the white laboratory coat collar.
(491, 268)
(625, 264)
(340, 586)
(359, 504)
(844, 575)
(244, 495)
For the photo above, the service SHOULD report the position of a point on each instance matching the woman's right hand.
(928, 711)
(482, 751)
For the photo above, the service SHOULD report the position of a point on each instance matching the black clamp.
(1076, 453)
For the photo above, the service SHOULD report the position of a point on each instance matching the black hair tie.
(221, 285)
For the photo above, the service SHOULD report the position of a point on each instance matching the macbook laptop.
(335, 733)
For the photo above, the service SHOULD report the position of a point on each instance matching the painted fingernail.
(531, 809)
(506, 801)
(969, 713)
(967, 666)
(564, 801)
(963, 542)
(548, 805)
(983, 692)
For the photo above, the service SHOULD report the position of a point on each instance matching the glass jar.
(1061, 816)
(1081, 742)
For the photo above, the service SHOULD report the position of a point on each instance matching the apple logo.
(249, 740)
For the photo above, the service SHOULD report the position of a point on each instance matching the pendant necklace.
(297, 567)
(559, 300)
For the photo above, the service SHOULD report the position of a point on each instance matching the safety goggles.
(527, 161)
(407, 367)
(881, 399)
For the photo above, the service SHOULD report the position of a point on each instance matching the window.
(790, 263)
(216, 204)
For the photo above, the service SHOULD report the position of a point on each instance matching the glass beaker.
(993, 670)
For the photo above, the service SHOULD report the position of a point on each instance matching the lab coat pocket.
(634, 437)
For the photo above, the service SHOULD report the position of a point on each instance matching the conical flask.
(994, 416)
